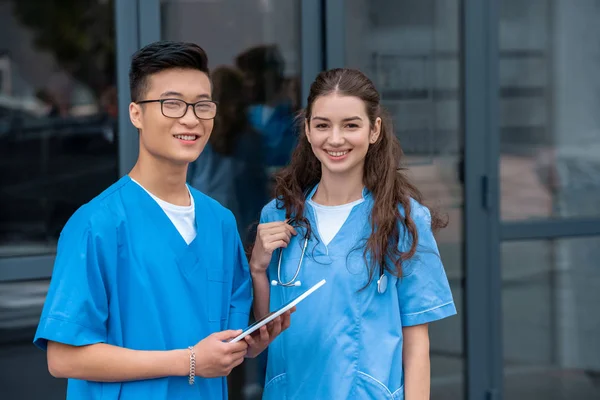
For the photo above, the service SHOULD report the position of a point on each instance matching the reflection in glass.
(58, 149)
(253, 47)
(411, 50)
(550, 130)
(58, 109)
(551, 323)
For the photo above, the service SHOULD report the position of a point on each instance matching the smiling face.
(177, 140)
(340, 133)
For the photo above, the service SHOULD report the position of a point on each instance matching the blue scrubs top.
(125, 276)
(344, 343)
(277, 132)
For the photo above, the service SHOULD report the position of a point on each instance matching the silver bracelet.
(192, 365)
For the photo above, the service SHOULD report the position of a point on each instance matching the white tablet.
(272, 315)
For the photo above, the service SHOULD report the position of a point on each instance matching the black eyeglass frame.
(187, 105)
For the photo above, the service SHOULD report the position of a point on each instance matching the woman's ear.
(307, 130)
(376, 131)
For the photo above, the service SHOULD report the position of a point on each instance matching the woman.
(364, 333)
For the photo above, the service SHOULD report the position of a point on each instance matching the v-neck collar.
(186, 255)
(362, 207)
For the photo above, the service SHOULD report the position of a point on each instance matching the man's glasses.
(176, 108)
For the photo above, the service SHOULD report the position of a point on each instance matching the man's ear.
(135, 115)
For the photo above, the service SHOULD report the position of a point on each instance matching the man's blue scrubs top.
(125, 276)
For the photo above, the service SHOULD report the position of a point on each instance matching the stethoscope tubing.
(381, 282)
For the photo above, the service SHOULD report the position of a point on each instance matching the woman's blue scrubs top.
(345, 343)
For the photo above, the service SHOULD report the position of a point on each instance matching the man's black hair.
(160, 56)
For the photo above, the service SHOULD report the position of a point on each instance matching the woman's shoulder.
(418, 212)
(273, 211)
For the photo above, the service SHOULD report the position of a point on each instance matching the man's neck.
(335, 190)
(162, 178)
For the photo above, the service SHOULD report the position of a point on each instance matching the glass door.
(411, 49)
(549, 158)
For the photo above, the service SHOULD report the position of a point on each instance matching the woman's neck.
(337, 190)
(162, 178)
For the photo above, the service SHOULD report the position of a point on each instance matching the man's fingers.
(226, 335)
(240, 353)
(237, 347)
(238, 361)
(250, 340)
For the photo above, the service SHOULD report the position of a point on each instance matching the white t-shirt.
(331, 218)
(183, 217)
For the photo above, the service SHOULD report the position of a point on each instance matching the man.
(150, 279)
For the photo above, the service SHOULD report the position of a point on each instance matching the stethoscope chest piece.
(382, 284)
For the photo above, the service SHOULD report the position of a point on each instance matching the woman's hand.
(269, 237)
(258, 341)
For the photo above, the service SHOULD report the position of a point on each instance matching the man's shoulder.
(100, 213)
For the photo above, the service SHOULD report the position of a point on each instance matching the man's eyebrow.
(171, 93)
(203, 96)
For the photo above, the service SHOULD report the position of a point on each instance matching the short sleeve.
(265, 214)
(76, 307)
(423, 291)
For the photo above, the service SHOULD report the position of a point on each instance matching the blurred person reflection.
(271, 111)
(231, 168)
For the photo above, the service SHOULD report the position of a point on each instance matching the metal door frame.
(483, 309)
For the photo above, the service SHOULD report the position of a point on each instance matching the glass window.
(58, 110)
(58, 149)
(550, 130)
(411, 50)
(253, 48)
(551, 320)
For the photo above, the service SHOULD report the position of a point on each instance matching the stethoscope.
(381, 282)
(293, 282)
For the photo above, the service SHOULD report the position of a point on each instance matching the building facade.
(495, 103)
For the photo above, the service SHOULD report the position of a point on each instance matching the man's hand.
(260, 340)
(215, 357)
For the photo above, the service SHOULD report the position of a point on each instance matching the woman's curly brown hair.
(383, 176)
